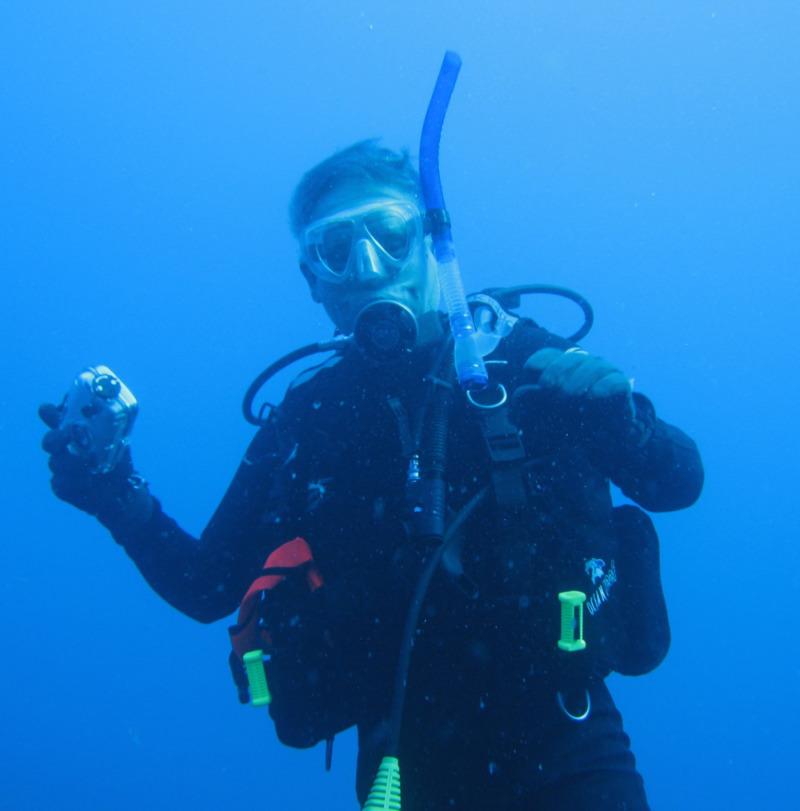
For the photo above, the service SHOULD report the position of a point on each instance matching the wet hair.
(365, 163)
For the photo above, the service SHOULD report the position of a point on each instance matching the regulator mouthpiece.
(385, 330)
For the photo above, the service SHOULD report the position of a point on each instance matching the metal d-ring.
(577, 718)
(500, 388)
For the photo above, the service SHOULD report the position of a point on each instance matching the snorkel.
(469, 364)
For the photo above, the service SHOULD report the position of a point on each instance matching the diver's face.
(360, 248)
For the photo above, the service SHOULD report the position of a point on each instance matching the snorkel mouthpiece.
(469, 364)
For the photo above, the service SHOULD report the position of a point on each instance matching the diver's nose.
(368, 266)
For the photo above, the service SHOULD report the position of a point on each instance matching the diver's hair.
(364, 163)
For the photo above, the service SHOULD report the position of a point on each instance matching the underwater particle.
(492, 768)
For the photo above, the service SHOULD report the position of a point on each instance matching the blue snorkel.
(469, 364)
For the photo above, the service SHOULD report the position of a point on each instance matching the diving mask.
(385, 230)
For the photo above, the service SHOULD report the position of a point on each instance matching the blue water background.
(643, 153)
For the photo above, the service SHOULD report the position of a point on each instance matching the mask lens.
(333, 246)
(392, 231)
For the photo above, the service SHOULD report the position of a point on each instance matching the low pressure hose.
(337, 344)
(469, 364)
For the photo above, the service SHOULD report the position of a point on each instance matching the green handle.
(257, 678)
(572, 621)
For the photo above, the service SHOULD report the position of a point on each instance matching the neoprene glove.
(584, 391)
(119, 498)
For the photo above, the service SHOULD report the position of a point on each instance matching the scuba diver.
(439, 565)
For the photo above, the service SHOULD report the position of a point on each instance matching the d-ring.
(501, 389)
(577, 718)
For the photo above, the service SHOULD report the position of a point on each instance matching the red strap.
(290, 555)
(293, 554)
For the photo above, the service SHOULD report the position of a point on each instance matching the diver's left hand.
(581, 386)
(576, 373)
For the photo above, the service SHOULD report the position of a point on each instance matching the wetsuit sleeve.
(659, 466)
(205, 578)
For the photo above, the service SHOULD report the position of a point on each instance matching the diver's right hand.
(119, 498)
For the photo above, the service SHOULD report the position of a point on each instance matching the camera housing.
(99, 412)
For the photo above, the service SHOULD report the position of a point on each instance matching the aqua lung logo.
(317, 492)
(596, 570)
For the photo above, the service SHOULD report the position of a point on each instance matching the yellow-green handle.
(257, 678)
(571, 621)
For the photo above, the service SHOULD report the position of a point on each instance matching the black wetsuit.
(482, 727)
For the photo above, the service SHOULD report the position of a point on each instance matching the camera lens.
(106, 386)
